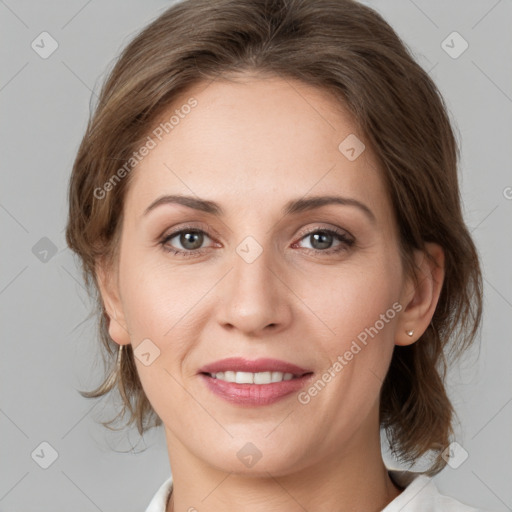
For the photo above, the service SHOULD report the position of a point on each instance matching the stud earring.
(410, 332)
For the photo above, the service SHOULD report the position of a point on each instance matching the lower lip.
(254, 394)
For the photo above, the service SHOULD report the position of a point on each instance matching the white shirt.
(420, 495)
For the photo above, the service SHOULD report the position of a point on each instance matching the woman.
(266, 201)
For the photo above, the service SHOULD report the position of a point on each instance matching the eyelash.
(341, 236)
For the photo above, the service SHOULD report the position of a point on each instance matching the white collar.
(420, 494)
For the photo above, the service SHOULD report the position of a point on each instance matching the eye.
(190, 239)
(322, 240)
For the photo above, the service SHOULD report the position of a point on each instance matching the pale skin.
(252, 145)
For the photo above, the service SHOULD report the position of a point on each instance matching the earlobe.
(421, 294)
(109, 291)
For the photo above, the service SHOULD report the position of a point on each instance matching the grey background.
(49, 348)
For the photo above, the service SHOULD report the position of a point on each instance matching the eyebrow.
(293, 207)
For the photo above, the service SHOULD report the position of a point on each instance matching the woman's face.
(320, 287)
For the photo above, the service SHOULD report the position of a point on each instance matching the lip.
(254, 394)
(240, 364)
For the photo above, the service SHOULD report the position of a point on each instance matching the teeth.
(252, 378)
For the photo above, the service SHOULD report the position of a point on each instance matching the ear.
(109, 290)
(420, 296)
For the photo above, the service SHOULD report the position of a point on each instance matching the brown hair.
(341, 47)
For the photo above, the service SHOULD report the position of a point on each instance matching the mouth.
(250, 383)
(247, 389)
(258, 378)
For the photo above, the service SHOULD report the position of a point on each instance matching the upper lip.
(239, 364)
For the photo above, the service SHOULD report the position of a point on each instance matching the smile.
(253, 378)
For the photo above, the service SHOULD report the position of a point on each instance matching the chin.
(258, 458)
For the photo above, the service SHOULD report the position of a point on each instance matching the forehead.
(256, 141)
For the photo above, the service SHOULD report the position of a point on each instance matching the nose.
(255, 297)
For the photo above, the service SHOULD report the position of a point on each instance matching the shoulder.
(421, 494)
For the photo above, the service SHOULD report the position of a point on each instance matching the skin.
(251, 145)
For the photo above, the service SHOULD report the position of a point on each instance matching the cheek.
(352, 298)
(153, 293)
(158, 311)
(163, 304)
(358, 309)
